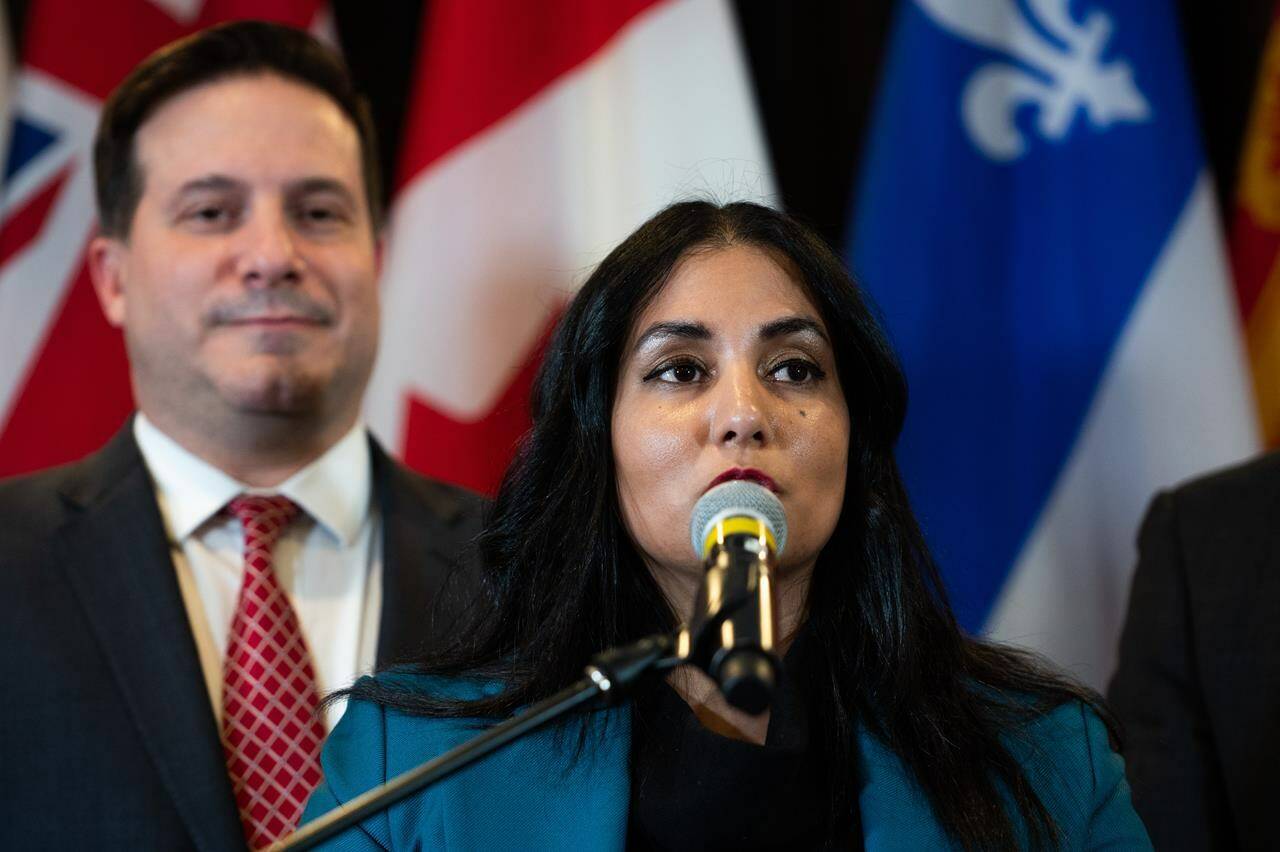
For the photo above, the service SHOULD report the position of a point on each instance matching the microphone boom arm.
(609, 676)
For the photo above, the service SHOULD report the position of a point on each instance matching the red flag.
(538, 137)
(64, 386)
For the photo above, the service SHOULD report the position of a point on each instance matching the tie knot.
(263, 517)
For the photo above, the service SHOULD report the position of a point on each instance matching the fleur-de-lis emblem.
(1058, 80)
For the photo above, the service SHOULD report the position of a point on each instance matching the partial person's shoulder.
(407, 680)
(541, 784)
(399, 484)
(33, 506)
(33, 492)
(374, 741)
(1216, 512)
(1070, 731)
(454, 498)
(372, 712)
(1249, 483)
(36, 507)
(80, 482)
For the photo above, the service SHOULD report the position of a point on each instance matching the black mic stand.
(609, 676)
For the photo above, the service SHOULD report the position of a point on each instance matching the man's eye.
(321, 215)
(209, 213)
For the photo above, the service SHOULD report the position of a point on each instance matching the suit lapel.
(117, 559)
(425, 584)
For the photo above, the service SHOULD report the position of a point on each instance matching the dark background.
(815, 67)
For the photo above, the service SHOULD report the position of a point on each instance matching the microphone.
(738, 529)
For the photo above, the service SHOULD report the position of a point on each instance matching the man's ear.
(106, 265)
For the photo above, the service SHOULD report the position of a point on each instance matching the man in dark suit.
(1198, 684)
(172, 607)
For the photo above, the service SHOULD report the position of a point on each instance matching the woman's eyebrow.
(791, 325)
(679, 329)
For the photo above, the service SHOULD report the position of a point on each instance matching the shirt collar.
(334, 489)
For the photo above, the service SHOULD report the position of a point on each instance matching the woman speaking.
(726, 343)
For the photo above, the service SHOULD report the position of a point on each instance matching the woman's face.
(729, 373)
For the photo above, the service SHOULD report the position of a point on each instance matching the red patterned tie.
(271, 728)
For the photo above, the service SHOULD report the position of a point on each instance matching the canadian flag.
(539, 136)
(64, 383)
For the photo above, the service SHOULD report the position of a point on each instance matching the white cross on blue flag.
(1036, 224)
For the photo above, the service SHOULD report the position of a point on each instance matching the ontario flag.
(1255, 236)
(64, 386)
(539, 136)
(1037, 224)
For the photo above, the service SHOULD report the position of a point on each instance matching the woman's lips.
(750, 474)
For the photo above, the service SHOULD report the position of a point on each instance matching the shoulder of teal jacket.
(353, 760)
(564, 786)
(1080, 778)
(1068, 759)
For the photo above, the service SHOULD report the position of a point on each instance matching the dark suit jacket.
(1198, 685)
(107, 739)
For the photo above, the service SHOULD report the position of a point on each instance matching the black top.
(695, 789)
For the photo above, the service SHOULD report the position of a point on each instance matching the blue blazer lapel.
(501, 804)
(530, 794)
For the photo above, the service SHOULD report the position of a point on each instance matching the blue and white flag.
(1036, 223)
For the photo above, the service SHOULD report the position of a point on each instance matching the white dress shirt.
(328, 561)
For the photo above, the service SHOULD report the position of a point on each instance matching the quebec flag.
(1037, 226)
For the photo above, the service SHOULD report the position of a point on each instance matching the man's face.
(247, 281)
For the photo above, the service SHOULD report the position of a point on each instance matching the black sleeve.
(1169, 749)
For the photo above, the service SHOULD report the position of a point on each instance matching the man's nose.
(740, 415)
(270, 255)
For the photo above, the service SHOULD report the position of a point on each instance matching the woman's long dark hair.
(563, 581)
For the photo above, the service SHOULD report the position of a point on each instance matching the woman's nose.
(739, 416)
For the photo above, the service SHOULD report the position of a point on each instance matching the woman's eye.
(796, 372)
(681, 374)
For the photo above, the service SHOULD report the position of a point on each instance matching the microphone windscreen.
(741, 498)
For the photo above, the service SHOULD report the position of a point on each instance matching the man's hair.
(233, 49)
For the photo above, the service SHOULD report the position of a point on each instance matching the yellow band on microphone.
(740, 524)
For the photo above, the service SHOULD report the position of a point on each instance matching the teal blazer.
(531, 794)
